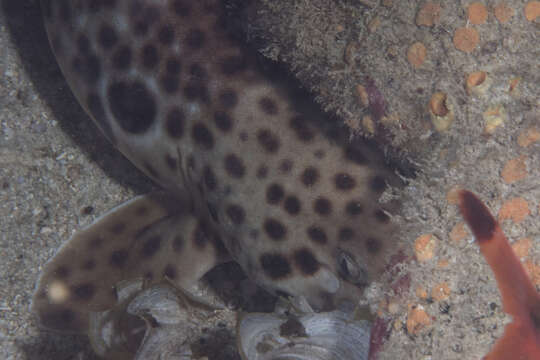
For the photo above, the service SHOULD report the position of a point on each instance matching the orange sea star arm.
(521, 338)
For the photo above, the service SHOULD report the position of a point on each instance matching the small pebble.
(417, 319)
(440, 292)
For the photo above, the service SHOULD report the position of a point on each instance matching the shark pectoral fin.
(152, 236)
(521, 338)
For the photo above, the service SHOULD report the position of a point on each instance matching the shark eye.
(349, 269)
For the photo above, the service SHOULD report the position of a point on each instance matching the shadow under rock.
(25, 25)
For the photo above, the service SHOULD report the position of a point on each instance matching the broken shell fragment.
(362, 94)
(333, 335)
(158, 322)
(477, 83)
(493, 118)
(368, 125)
(441, 112)
(164, 322)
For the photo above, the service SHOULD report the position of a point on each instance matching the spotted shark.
(247, 173)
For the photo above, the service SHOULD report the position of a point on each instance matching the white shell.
(315, 336)
(162, 322)
(159, 322)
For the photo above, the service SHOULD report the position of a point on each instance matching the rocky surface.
(57, 173)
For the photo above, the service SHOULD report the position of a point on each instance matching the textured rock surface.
(55, 165)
